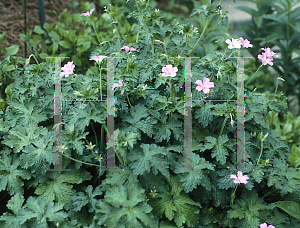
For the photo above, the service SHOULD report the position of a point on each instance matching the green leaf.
(12, 50)
(38, 212)
(10, 175)
(2, 35)
(290, 207)
(38, 30)
(54, 36)
(81, 199)
(152, 156)
(125, 207)
(14, 220)
(247, 209)
(10, 68)
(176, 205)
(65, 44)
(59, 187)
(138, 121)
(201, 9)
(76, 60)
(39, 155)
(190, 180)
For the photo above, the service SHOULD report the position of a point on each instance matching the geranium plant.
(149, 185)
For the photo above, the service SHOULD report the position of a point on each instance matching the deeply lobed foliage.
(149, 140)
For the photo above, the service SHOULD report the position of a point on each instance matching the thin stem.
(254, 74)
(223, 125)
(224, 53)
(166, 52)
(100, 83)
(262, 146)
(250, 78)
(186, 44)
(233, 195)
(128, 100)
(152, 47)
(276, 87)
(3, 196)
(95, 135)
(92, 105)
(78, 160)
(93, 24)
(137, 37)
(101, 142)
(207, 22)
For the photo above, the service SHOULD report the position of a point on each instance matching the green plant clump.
(154, 184)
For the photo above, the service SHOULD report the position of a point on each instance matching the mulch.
(12, 19)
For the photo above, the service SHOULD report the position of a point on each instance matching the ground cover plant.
(149, 88)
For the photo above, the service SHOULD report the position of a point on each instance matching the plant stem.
(223, 125)
(93, 24)
(207, 22)
(262, 146)
(3, 196)
(254, 73)
(276, 86)
(128, 100)
(101, 142)
(233, 195)
(224, 53)
(78, 160)
(166, 52)
(95, 135)
(100, 83)
(250, 78)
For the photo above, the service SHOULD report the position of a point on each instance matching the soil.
(12, 18)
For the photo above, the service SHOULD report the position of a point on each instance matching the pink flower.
(127, 49)
(168, 70)
(205, 85)
(269, 52)
(99, 58)
(88, 13)
(118, 84)
(67, 69)
(264, 225)
(235, 43)
(245, 43)
(133, 49)
(265, 59)
(240, 178)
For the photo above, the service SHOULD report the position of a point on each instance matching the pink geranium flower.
(205, 85)
(127, 49)
(264, 225)
(245, 43)
(118, 84)
(168, 70)
(269, 52)
(240, 178)
(265, 59)
(99, 58)
(67, 69)
(88, 13)
(234, 43)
